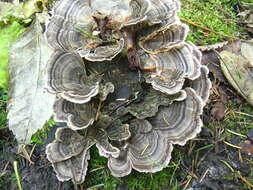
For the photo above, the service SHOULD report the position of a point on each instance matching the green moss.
(156, 181)
(40, 136)
(99, 175)
(217, 15)
(3, 112)
(8, 35)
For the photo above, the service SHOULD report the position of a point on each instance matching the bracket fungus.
(126, 81)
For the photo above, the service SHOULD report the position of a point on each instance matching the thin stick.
(26, 155)
(232, 145)
(235, 133)
(144, 149)
(244, 180)
(204, 175)
(188, 182)
(15, 165)
(227, 164)
(96, 169)
(98, 110)
(241, 113)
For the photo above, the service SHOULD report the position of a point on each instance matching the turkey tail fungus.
(133, 116)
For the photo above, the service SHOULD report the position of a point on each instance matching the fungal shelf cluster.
(126, 81)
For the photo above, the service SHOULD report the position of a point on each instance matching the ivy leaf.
(30, 105)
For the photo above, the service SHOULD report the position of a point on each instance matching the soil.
(37, 176)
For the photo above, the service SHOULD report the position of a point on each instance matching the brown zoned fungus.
(126, 81)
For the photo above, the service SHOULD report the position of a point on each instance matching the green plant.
(215, 15)
(3, 112)
(8, 34)
(40, 136)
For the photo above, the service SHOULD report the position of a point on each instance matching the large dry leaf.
(237, 68)
(30, 105)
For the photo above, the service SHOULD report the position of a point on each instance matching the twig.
(174, 171)
(212, 47)
(188, 182)
(33, 148)
(244, 179)
(96, 186)
(241, 113)
(96, 169)
(227, 164)
(15, 165)
(192, 145)
(204, 147)
(98, 110)
(210, 30)
(5, 167)
(250, 161)
(235, 133)
(26, 155)
(203, 157)
(232, 145)
(2, 173)
(204, 175)
(240, 156)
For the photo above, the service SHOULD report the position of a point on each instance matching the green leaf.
(8, 35)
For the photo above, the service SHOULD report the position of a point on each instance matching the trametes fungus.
(126, 81)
